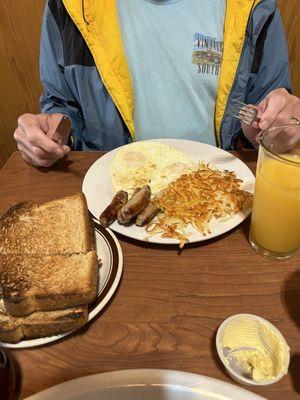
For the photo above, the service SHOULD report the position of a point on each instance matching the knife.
(62, 131)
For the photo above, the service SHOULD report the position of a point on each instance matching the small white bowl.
(251, 323)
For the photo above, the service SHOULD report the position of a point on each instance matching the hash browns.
(195, 199)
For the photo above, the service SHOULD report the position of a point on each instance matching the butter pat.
(260, 367)
(252, 348)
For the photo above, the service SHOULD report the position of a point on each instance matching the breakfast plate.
(146, 384)
(98, 189)
(110, 253)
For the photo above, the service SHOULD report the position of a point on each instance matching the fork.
(246, 113)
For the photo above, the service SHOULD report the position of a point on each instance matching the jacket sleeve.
(273, 71)
(57, 96)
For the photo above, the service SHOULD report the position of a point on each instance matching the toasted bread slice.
(59, 226)
(31, 283)
(40, 324)
(10, 330)
(49, 323)
(48, 268)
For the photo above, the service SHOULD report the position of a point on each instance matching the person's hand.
(278, 108)
(35, 146)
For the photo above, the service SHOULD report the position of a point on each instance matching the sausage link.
(108, 216)
(135, 205)
(147, 214)
(136, 190)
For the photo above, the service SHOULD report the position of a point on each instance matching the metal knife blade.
(63, 130)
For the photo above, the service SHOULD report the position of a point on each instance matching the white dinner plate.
(99, 192)
(111, 266)
(145, 384)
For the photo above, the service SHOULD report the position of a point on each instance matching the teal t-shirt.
(174, 51)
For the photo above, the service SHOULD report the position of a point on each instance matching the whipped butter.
(263, 351)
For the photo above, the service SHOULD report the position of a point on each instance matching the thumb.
(274, 106)
(262, 106)
(66, 150)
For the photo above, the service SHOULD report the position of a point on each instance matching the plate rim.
(103, 296)
(142, 376)
(167, 241)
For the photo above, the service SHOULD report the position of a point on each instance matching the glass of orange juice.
(275, 221)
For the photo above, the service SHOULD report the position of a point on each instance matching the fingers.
(262, 107)
(284, 139)
(251, 133)
(281, 108)
(295, 108)
(289, 111)
(276, 102)
(26, 158)
(39, 153)
(35, 133)
(35, 160)
(276, 109)
(31, 137)
(287, 136)
(29, 159)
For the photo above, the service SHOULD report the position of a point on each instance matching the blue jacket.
(85, 75)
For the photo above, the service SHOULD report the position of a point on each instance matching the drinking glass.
(275, 222)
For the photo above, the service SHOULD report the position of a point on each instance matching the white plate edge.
(143, 376)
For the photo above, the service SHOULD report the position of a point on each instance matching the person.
(126, 70)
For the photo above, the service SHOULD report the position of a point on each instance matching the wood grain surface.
(168, 306)
(290, 11)
(20, 24)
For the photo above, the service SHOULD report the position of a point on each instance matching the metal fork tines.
(244, 112)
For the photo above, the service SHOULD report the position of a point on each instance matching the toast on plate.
(31, 283)
(60, 226)
(40, 324)
(49, 270)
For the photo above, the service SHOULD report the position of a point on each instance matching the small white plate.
(252, 333)
(99, 192)
(146, 384)
(110, 253)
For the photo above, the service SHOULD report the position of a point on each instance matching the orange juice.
(275, 224)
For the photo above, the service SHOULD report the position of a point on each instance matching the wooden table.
(168, 306)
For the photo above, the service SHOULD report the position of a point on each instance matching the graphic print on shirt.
(207, 54)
